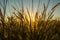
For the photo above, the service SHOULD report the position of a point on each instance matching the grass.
(22, 27)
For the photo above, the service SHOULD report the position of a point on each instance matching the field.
(27, 27)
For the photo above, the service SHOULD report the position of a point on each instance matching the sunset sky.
(28, 3)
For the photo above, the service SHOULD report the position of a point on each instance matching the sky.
(27, 3)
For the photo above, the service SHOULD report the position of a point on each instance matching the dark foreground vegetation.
(41, 31)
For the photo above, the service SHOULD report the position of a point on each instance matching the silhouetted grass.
(24, 27)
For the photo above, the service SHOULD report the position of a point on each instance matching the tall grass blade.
(32, 5)
(19, 13)
(51, 13)
(55, 6)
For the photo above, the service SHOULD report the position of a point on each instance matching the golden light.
(17, 20)
(6, 19)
